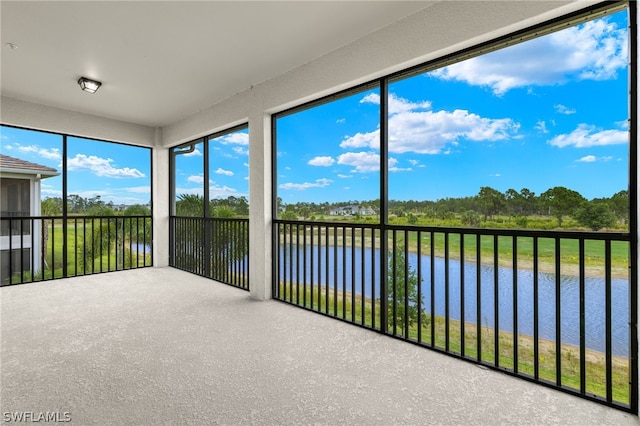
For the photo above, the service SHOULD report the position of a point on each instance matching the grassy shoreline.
(433, 330)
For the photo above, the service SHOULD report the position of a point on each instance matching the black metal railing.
(216, 248)
(38, 248)
(556, 308)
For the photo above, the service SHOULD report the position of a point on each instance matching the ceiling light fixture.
(89, 85)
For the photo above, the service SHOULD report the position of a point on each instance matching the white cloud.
(233, 138)
(221, 171)
(414, 162)
(239, 150)
(587, 159)
(428, 132)
(138, 189)
(216, 191)
(49, 154)
(101, 167)
(341, 120)
(199, 179)
(104, 195)
(319, 183)
(366, 162)
(362, 140)
(396, 104)
(593, 158)
(363, 162)
(495, 175)
(399, 169)
(371, 98)
(623, 124)
(126, 200)
(585, 136)
(324, 161)
(112, 196)
(192, 191)
(562, 109)
(592, 51)
(541, 126)
(50, 190)
(340, 175)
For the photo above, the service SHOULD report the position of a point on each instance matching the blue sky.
(121, 173)
(117, 173)
(548, 112)
(228, 167)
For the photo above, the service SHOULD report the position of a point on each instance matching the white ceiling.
(160, 62)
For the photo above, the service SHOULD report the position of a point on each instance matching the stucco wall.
(21, 113)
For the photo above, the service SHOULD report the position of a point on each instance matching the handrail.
(525, 302)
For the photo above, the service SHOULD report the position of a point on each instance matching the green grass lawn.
(354, 309)
(79, 257)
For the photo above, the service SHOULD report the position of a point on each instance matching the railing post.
(384, 206)
(64, 210)
(633, 200)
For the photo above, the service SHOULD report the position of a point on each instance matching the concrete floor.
(161, 346)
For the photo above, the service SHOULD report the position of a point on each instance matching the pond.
(340, 270)
(141, 248)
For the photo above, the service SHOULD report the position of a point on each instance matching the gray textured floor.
(160, 346)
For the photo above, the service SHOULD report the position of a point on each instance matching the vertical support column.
(65, 181)
(384, 205)
(160, 201)
(260, 211)
(207, 252)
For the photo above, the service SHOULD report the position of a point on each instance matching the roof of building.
(16, 165)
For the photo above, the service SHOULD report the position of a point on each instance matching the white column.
(260, 206)
(160, 210)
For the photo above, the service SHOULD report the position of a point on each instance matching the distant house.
(20, 197)
(351, 211)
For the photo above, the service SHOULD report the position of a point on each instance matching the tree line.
(558, 202)
(94, 206)
(193, 205)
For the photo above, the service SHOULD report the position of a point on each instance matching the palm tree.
(138, 231)
(190, 205)
(48, 207)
